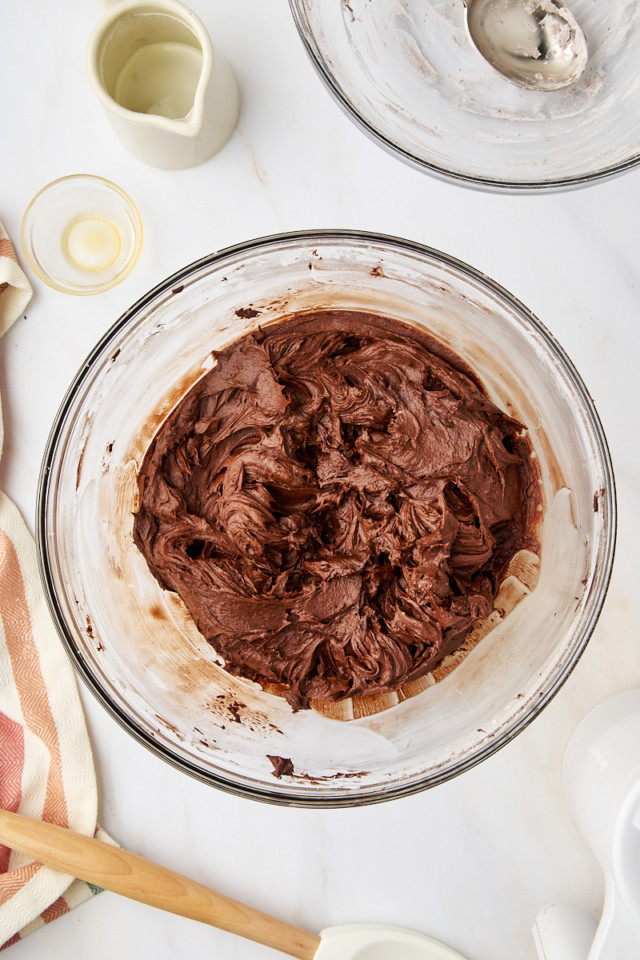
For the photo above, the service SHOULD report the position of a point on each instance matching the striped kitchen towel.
(46, 766)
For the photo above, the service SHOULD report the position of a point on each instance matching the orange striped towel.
(46, 766)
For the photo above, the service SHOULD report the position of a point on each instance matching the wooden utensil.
(130, 875)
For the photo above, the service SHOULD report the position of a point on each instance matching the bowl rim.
(374, 794)
(488, 183)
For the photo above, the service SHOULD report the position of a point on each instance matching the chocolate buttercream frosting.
(334, 502)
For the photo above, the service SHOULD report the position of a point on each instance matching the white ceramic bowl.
(140, 652)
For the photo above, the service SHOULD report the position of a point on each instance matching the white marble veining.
(470, 862)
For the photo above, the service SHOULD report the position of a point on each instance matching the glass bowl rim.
(488, 183)
(595, 600)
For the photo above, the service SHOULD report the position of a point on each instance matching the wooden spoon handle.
(132, 876)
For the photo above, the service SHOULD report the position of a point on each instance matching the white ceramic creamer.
(171, 98)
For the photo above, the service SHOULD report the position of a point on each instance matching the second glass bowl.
(408, 73)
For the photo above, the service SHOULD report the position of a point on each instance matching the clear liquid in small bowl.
(92, 243)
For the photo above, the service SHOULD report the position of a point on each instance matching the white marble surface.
(470, 862)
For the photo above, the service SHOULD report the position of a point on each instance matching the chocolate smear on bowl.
(282, 766)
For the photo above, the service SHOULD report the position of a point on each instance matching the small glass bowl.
(81, 234)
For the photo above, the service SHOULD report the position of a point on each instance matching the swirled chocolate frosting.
(334, 502)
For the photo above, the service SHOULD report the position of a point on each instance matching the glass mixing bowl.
(408, 73)
(135, 644)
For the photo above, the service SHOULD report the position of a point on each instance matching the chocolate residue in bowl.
(335, 502)
(282, 766)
